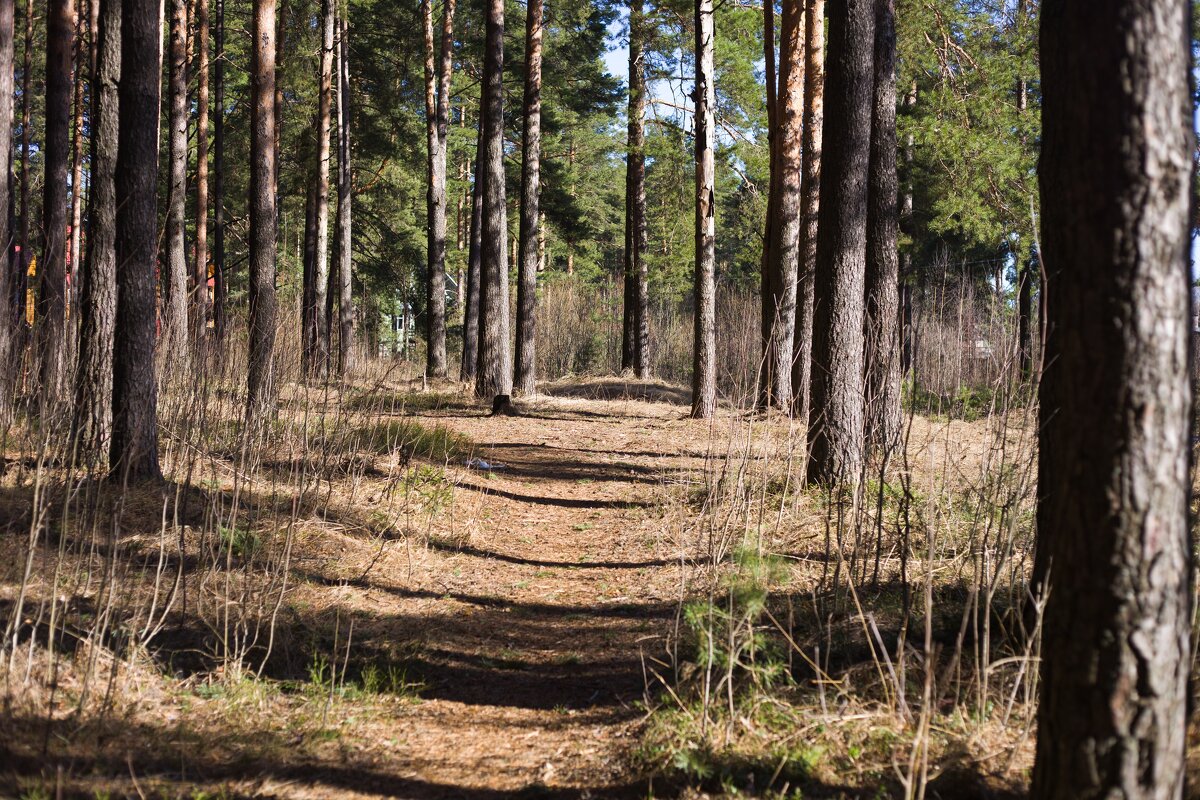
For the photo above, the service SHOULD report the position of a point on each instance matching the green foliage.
(242, 543)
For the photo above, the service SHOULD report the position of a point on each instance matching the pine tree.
(525, 380)
(134, 452)
(1114, 550)
(835, 432)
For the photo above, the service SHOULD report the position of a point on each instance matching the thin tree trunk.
(883, 416)
(494, 376)
(1114, 549)
(635, 223)
(220, 291)
(470, 354)
(98, 301)
(1026, 268)
(24, 244)
(8, 311)
(345, 256)
(312, 310)
(437, 100)
(281, 12)
(835, 432)
(525, 379)
(200, 265)
(704, 354)
(766, 291)
(51, 316)
(634, 161)
(73, 255)
(174, 348)
(318, 366)
(784, 244)
(810, 191)
(134, 453)
(907, 276)
(263, 310)
(1025, 317)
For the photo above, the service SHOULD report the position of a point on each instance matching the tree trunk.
(784, 244)
(281, 12)
(173, 350)
(635, 188)
(220, 290)
(8, 311)
(767, 305)
(200, 300)
(835, 433)
(98, 302)
(637, 312)
(1025, 317)
(318, 366)
(1115, 400)
(704, 354)
(312, 310)
(24, 245)
(51, 308)
(810, 193)
(494, 376)
(470, 354)
(345, 256)
(134, 453)
(261, 378)
(527, 259)
(883, 416)
(437, 104)
(907, 276)
(1026, 269)
(73, 257)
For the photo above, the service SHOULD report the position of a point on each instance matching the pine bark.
(52, 297)
(470, 353)
(494, 375)
(73, 259)
(220, 291)
(883, 416)
(704, 351)
(636, 349)
(810, 194)
(835, 433)
(525, 379)
(134, 453)
(783, 252)
(345, 256)
(98, 301)
(766, 306)
(25, 246)
(635, 191)
(200, 300)
(8, 311)
(318, 366)
(312, 312)
(437, 112)
(174, 348)
(1114, 549)
(263, 304)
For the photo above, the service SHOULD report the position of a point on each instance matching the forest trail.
(531, 617)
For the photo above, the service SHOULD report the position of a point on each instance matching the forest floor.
(498, 631)
(401, 596)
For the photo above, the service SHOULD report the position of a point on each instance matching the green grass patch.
(412, 439)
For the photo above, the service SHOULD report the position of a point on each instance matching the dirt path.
(546, 589)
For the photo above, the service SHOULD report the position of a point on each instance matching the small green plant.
(242, 543)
